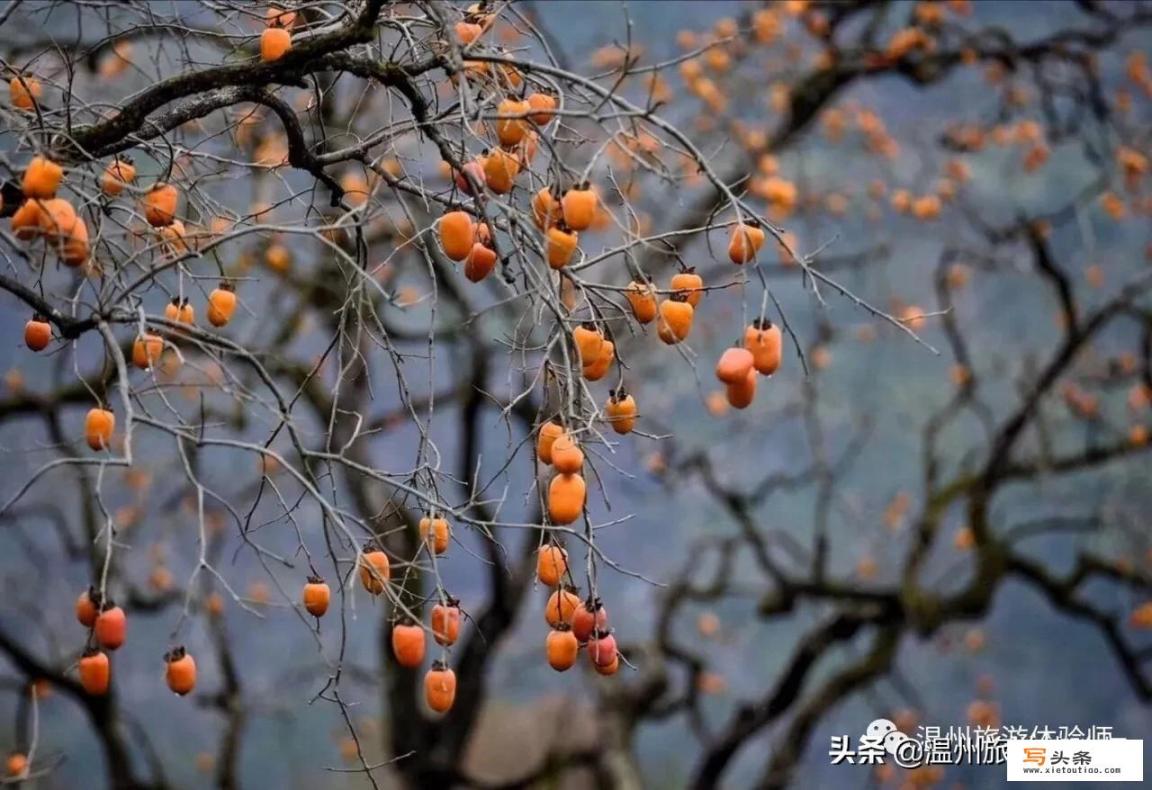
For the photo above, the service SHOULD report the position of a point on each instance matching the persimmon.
(602, 648)
(440, 687)
(745, 242)
(24, 92)
(16, 765)
(26, 220)
(578, 205)
(42, 178)
(675, 320)
(446, 622)
(590, 616)
(481, 262)
(512, 125)
(87, 607)
(543, 106)
(119, 173)
(37, 333)
(457, 234)
(598, 368)
(375, 570)
(277, 257)
(567, 457)
(95, 672)
(545, 209)
(57, 218)
(174, 237)
(765, 342)
(275, 42)
(561, 605)
(181, 671)
(500, 170)
(467, 32)
(566, 496)
(436, 533)
(221, 304)
(408, 643)
(186, 314)
(276, 16)
(546, 436)
(562, 648)
(98, 428)
(159, 204)
(641, 298)
(111, 627)
(473, 170)
(589, 341)
(690, 283)
(621, 411)
(317, 596)
(741, 393)
(72, 245)
(172, 309)
(551, 564)
(561, 245)
(734, 365)
(146, 350)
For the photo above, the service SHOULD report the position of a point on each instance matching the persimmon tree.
(358, 320)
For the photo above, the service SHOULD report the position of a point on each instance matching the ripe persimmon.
(596, 369)
(26, 220)
(146, 350)
(221, 304)
(37, 333)
(42, 178)
(561, 246)
(641, 297)
(467, 32)
(446, 622)
(500, 170)
(551, 564)
(589, 342)
(578, 206)
(741, 393)
(98, 428)
(316, 596)
(181, 671)
(408, 643)
(744, 243)
(734, 365)
(440, 687)
(24, 91)
(159, 204)
(16, 765)
(111, 627)
(567, 457)
(95, 672)
(119, 173)
(562, 648)
(690, 283)
(566, 496)
(765, 342)
(481, 262)
(543, 106)
(457, 234)
(436, 533)
(546, 436)
(675, 320)
(87, 607)
(375, 570)
(545, 209)
(589, 616)
(473, 170)
(621, 411)
(602, 648)
(275, 42)
(561, 605)
(510, 129)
